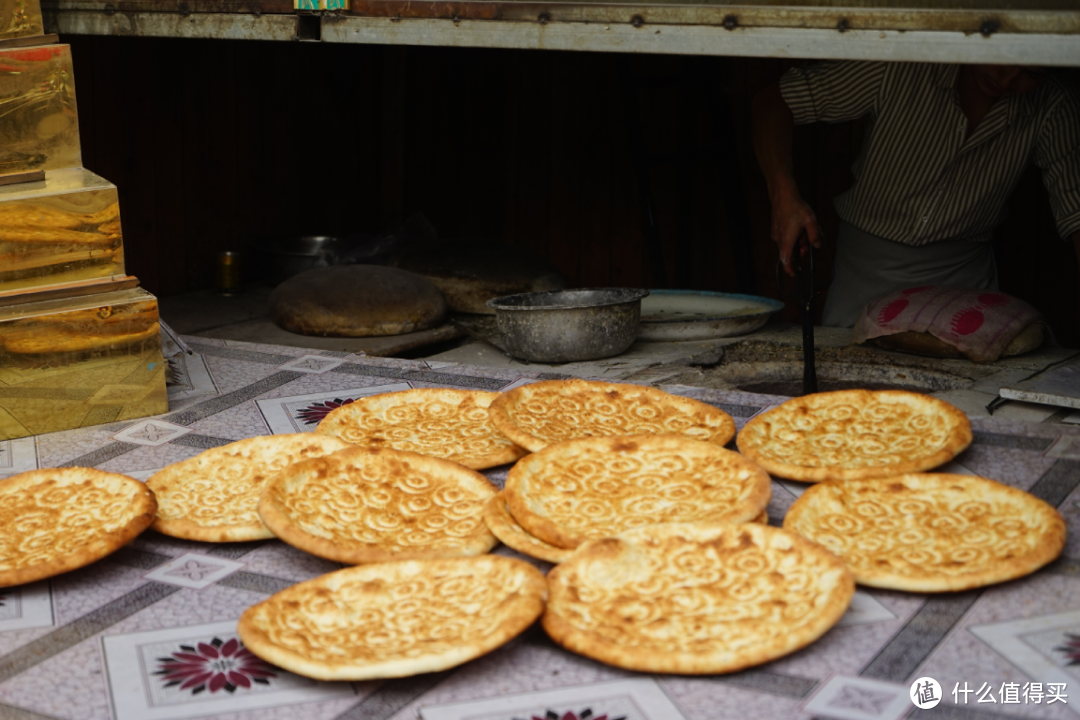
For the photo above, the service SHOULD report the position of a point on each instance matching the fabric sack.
(980, 324)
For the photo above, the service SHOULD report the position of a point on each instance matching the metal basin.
(568, 325)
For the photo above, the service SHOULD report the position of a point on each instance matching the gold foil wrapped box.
(19, 19)
(77, 362)
(39, 125)
(64, 229)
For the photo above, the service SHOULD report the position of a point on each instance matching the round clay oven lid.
(356, 301)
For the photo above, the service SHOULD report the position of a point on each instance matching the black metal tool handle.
(804, 297)
(804, 280)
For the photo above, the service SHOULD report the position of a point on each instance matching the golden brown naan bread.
(395, 619)
(61, 519)
(540, 414)
(852, 434)
(695, 598)
(597, 487)
(439, 422)
(503, 526)
(214, 496)
(930, 532)
(362, 505)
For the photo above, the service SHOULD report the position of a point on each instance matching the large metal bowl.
(568, 325)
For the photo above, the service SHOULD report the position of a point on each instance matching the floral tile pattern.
(855, 698)
(200, 670)
(1045, 648)
(195, 571)
(214, 666)
(315, 364)
(151, 433)
(188, 377)
(301, 413)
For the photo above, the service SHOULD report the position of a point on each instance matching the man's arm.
(774, 127)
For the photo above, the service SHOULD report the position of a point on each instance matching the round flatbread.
(363, 506)
(931, 532)
(395, 619)
(854, 434)
(61, 519)
(439, 422)
(592, 488)
(695, 598)
(503, 526)
(542, 413)
(213, 496)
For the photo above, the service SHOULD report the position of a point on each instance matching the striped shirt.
(918, 179)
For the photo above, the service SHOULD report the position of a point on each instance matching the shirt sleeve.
(832, 91)
(1057, 153)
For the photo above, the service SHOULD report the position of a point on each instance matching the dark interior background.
(217, 145)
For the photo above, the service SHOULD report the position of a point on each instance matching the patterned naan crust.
(438, 422)
(213, 496)
(503, 526)
(56, 520)
(598, 487)
(540, 414)
(852, 434)
(931, 532)
(362, 506)
(695, 598)
(395, 619)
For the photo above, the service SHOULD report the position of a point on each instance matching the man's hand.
(791, 216)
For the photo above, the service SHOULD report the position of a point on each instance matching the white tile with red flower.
(1046, 648)
(301, 413)
(205, 669)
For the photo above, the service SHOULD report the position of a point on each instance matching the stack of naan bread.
(665, 561)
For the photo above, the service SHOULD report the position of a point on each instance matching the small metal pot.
(568, 325)
(292, 256)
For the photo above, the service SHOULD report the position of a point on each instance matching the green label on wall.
(321, 4)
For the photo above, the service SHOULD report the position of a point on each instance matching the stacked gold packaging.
(79, 341)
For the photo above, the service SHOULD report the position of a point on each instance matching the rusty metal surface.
(731, 17)
(1006, 31)
(286, 6)
(220, 26)
(1050, 19)
(182, 7)
(891, 45)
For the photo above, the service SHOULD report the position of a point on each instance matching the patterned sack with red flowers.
(978, 323)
